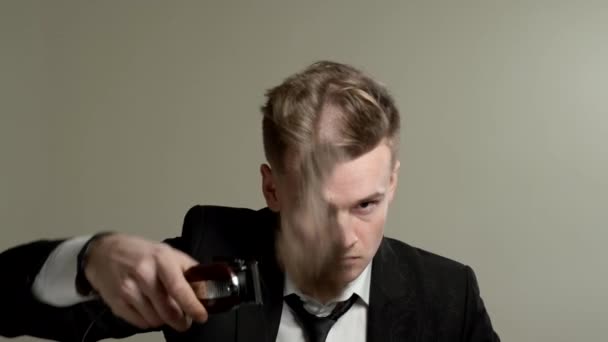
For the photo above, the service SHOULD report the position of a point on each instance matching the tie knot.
(317, 328)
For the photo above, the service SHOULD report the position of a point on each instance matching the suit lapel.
(394, 310)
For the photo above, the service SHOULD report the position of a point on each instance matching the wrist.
(83, 283)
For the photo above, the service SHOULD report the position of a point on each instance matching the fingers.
(178, 287)
(138, 306)
(199, 288)
(166, 308)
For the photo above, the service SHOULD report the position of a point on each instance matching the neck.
(319, 296)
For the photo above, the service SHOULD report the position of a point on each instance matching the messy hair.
(365, 113)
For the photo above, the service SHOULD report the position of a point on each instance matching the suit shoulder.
(430, 267)
(211, 230)
(199, 212)
(422, 255)
(200, 216)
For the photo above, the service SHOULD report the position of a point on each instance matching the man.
(331, 135)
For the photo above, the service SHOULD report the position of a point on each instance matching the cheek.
(371, 231)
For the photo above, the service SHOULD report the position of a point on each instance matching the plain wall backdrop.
(120, 115)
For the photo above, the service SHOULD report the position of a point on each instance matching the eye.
(366, 207)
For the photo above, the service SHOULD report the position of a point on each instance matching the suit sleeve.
(22, 314)
(477, 327)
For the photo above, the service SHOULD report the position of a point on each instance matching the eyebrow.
(375, 196)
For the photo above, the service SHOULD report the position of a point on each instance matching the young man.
(331, 135)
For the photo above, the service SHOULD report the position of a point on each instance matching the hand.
(143, 282)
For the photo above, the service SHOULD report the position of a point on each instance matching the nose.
(348, 236)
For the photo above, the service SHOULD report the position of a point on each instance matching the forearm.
(23, 313)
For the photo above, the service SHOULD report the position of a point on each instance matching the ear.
(269, 188)
(394, 181)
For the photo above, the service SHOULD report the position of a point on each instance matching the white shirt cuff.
(55, 284)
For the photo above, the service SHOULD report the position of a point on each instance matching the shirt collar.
(359, 286)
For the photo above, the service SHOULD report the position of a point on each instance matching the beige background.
(122, 114)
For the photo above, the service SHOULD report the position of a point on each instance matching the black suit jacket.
(414, 295)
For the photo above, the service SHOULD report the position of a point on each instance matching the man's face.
(356, 195)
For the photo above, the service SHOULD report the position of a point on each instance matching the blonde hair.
(365, 113)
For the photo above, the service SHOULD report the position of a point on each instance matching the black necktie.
(317, 328)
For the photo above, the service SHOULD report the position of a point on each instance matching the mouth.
(350, 258)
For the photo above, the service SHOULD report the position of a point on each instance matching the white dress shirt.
(352, 326)
(55, 284)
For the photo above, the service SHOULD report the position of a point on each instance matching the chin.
(351, 272)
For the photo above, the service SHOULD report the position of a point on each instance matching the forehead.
(354, 180)
(359, 178)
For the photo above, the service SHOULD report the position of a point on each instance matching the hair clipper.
(223, 286)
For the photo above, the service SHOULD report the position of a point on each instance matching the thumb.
(185, 261)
